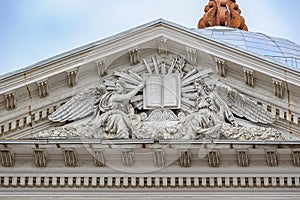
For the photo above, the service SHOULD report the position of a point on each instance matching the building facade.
(157, 111)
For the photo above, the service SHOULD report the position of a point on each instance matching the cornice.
(139, 35)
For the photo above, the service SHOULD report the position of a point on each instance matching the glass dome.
(277, 49)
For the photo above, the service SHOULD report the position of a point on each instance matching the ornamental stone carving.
(7, 158)
(10, 100)
(40, 157)
(166, 99)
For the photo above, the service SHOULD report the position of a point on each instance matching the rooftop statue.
(222, 13)
(167, 99)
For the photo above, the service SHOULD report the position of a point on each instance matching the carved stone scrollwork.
(271, 158)
(185, 158)
(70, 158)
(278, 88)
(43, 88)
(162, 45)
(102, 67)
(134, 56)
(191, 55)
(99, 159)
(72, 77)
(7, 158)
(296, 158)
(40, 158)
(214, 158)
(220, 67)
(127, 158)
(161, 115)
(243, 158)
(249, 77)
(159, 158)
(10, 100)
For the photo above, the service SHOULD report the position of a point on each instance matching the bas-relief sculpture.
(167, 99)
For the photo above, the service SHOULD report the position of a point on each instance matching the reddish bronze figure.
(222, 13)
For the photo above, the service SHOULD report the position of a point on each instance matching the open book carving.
(162, 91)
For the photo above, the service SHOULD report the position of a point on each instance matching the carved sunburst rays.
(188, 77)
(189, 91)
(176, 66)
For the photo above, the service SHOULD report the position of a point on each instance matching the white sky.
(34, 30)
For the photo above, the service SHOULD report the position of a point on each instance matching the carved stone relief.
(166, 99)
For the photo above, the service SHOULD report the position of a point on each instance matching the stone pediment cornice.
(137, 36)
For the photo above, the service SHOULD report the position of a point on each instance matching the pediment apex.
(160, 29)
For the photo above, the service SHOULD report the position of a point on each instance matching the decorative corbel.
(159, 158)
(40, 157)
(43, 88)
(134, 56)
(214, 158)
(162, 45)
(185, 158)
(220, 67)
(99, 159)
(296, 158)
(191, 55)
(102, 67)
(7, 158)
(271, 158)
(243, 158)
(70, 158)
(278, 88)
(249, 77)
(10, 100)
(72, 76)
(127, 158)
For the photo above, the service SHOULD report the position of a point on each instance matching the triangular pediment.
(30, 96)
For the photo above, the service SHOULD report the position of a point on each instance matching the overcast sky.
(34, 30)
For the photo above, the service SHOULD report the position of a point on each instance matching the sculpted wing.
(77, 107)
(242, 106)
